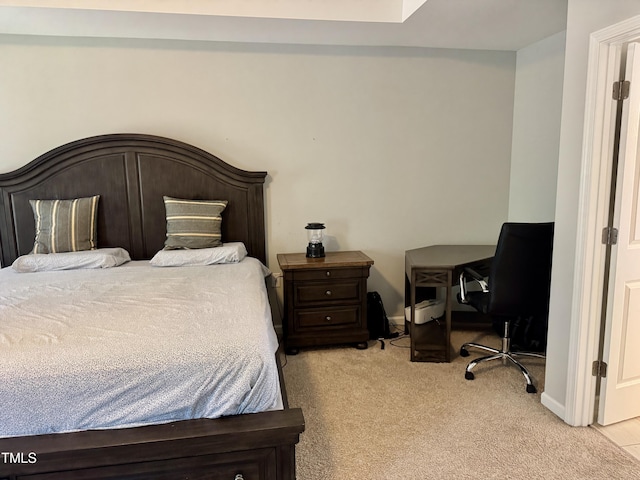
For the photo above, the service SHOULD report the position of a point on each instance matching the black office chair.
(516, 295)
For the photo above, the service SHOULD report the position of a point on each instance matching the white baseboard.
(553, 405)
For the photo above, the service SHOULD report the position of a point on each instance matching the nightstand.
(325, 299)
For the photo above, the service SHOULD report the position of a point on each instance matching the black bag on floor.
(529, 334)
(377, 320)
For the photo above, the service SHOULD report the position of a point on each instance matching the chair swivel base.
(503, 354)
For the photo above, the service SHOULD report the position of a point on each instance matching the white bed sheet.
(134, 345)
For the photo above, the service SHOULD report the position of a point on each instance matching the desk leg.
(448, 306)
(439, 349)
(412, 287)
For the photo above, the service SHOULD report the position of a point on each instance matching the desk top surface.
(447, 256)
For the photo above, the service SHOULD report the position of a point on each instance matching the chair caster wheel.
(469, 375)
(464, 352)
(531, 389)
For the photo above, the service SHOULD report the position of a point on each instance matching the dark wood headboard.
(131, 173)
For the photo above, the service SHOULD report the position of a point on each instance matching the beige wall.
(536, 130)
(394, 148)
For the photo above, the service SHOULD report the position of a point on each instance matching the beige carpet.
(375, 415)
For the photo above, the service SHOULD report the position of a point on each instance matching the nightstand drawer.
(328, 317)
(314, 293)
(327, 274)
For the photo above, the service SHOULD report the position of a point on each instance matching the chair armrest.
(476, 277)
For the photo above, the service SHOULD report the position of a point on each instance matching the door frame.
(605, 50)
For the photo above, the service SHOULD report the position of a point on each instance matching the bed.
(250, 439)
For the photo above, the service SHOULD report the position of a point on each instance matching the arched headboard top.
(131, 173)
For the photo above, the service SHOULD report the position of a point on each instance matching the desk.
(439, 266)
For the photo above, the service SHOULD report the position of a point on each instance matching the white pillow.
(232, 252)
(44, 262)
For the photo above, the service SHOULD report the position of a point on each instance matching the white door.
(620, 389)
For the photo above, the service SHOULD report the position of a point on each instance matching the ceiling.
(465, 24)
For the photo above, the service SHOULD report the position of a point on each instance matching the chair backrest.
(520, 274)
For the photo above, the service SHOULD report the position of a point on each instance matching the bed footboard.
(249, 447)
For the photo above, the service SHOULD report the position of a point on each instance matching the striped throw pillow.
(193, 223)
(65, 225)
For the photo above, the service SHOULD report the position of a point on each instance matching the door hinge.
(621, 90)
(609, 235)
(599, 369)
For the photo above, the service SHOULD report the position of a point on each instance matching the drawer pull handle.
(239, 477)
(328, 273)
(328, 293)
(328, 318)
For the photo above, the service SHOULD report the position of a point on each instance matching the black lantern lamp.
(315, 233)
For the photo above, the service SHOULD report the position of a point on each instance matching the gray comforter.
(134, 345)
